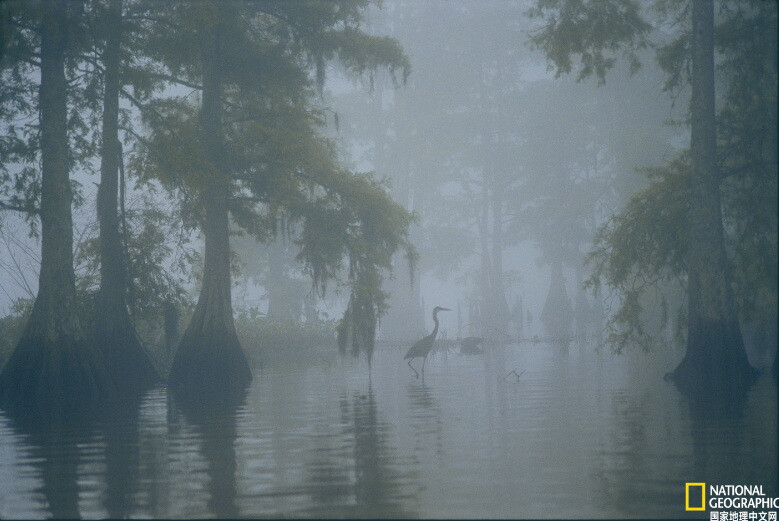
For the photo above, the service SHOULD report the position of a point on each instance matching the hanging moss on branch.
(356, 331)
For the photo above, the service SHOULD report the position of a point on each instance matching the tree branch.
(16, 208)
(133, 133)
(171, 79)
(139, 104)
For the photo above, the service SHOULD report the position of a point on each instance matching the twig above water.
(514, 372)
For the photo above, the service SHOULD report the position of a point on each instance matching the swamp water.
(578, 434)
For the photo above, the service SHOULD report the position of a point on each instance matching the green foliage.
(11, 327)
(20, 183)
(596, 31)
(4, 29)
(358, 222)
(359, 52)
(358, 325)
(343, 221)
(640, 253)
(747, 149)
(648, 233)
(159, 255)
(674, 59)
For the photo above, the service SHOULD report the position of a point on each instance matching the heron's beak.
(445, 309)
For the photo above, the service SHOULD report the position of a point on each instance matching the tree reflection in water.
(464, 444)
(721, 450)
(373, 487)
(708, 440)
(55, 453)
(362, 480)
(215, 421)
(623, 456)
(122, 457)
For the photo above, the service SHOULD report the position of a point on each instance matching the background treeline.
(550, 159)
(567, 178)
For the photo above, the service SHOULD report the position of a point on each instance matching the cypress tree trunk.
(128, 363)
(209, 359)
(715, 361)
(273, 282)
(54, 369)
(557, 313)
(4, 27)
(485, 266)
(500, 308)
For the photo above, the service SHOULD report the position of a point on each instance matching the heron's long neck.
(435, 321)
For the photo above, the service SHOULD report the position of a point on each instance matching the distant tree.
(442, 141)
(274, 267)
(488, 156)
(285, 293)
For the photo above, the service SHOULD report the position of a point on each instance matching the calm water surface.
(579, 434)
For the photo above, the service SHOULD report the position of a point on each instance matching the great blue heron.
(422, 348)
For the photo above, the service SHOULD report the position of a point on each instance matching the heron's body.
(422, 348)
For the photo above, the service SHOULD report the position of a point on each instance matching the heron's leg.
(423, 364)
(412, 367)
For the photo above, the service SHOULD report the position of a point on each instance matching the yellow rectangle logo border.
(687, 496)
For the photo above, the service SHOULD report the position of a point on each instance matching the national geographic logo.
(730, 497)
(695, 496)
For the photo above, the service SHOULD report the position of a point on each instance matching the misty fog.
(441, 258)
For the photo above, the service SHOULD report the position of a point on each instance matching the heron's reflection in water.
(215, 422)
(425, 418)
